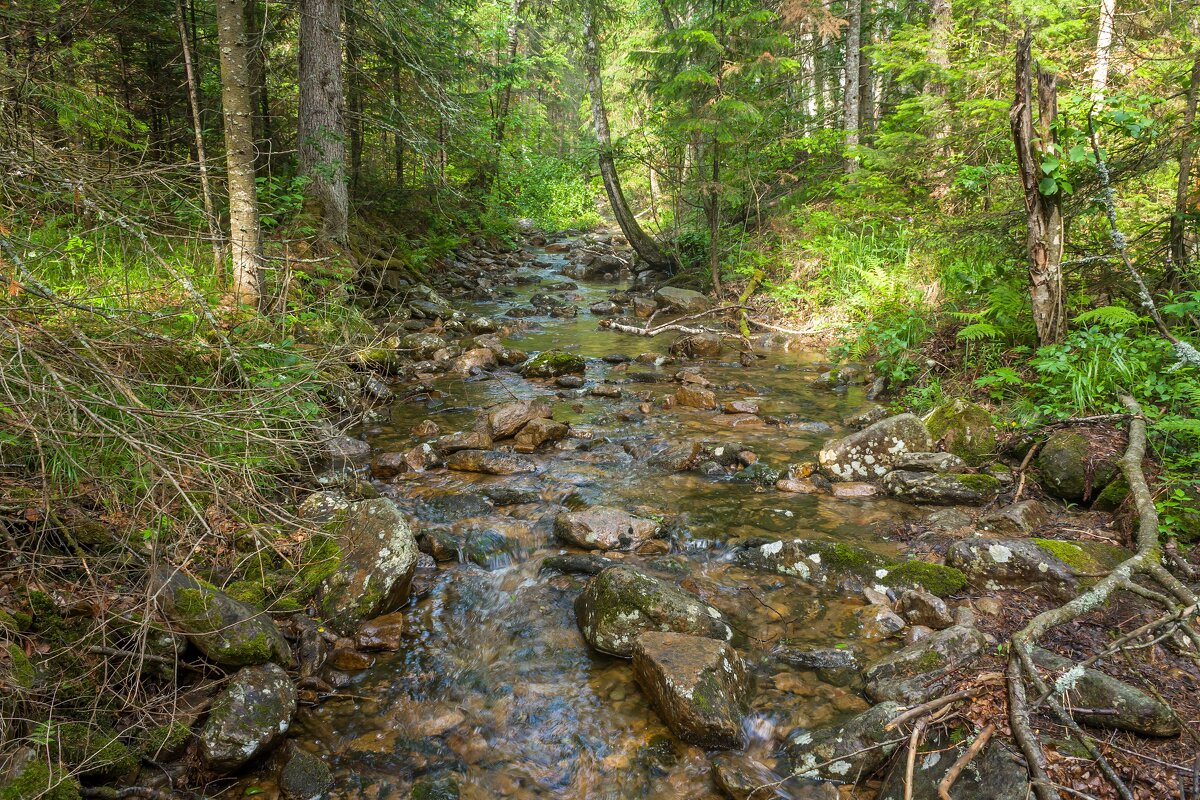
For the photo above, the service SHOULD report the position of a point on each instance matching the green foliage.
(555, 195)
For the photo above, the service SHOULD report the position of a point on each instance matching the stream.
(495, 688)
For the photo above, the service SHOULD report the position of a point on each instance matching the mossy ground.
(40, 781)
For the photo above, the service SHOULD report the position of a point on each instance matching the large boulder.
(941, 488)
(507, 419)
(696, 684)
(845, 753)
(620, 603)
(1102, 701)
(872, 452)
(228, 632)
(994, 774)
(682, 301)
(1054, 566)
(912, 674)
(1070, 470)
(604, 528)
(697, 345)
(249, 717)
(374, 564)
(964, 429)
(553, 363)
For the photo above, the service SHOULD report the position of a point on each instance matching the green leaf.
(1048, 186)
(1049, 165)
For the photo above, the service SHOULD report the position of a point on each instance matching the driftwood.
(674, 325)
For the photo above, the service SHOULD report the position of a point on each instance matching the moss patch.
(166, 742)
(1084, 557)
(21, 667)
(1113, 495)
(92, 750)
(40, 780)
(937, 579)
(553, 363)
(964, 429)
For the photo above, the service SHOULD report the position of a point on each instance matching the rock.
(482, 325)
(249, 717)
(910, 674)
(590, 564)
(604, 528)
(992, 564)
(1069, 470)
(922, 608)
(375, 561)
(229, 633)
(964, 429)
(343, 452)
(538, 432)
(1090, 689)
(845, 753)
(695, 397)
(930, 462)
(678, 457)
(682, 301)
(696, 684)
(323, 506)
(643, 307)
(506, 419)
(304, 776)
(879, 622)
(697, 345)
(569, 381)
(871, 452)
(443, 786)
(740, 407)
(475, 359)
(490, 463)
(868, 416)
(620, 603)
(941, 489)
(553, 363)
(816, 560)
(463, 440)
(422, 457)
(798, 486)
(606, 390)
(740, 777)
(605, 308)
(854, 489)
(382, 633)
(1018, 519)
(388, 465)
(993, 774)
(422, 345)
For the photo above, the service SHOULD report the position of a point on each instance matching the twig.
(972, 751)
(914, 741)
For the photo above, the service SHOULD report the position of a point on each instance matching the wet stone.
(538, 432)
(463, 440)
(304, 776)
(922, 608)
(249, 717)
(606, 390)
(695, 397)
(941, 489)
(740, 407)
(604, 528)
(490, 463)
(507, 419)
(382, 633)
(740, 777)
(930, 462)
(845, 753)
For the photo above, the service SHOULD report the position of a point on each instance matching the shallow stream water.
(495, 686)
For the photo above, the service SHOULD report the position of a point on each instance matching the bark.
(398, 102)
(1044, 242)
(1178, 262)
(850, 88)
(513, 31)
(1104, 37)
(210, 214)
(320, 127)
(866, 86)
(638, 239)
(941, 21)
(236, 101)
(354, 95)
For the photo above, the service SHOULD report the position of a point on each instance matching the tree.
(1104, 37)
(1044, 243)
(645, 246)
(245, 238)
(1178, 255)
(851, 109)
(320, 125)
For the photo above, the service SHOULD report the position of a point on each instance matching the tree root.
(956, 769)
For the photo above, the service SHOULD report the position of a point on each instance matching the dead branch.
(972, 751)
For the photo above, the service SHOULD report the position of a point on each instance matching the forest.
(617, 399)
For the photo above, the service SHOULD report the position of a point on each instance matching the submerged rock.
(620, 603)
(228, 632)
(249, 717)
(871, 452)
(698, 686)
(604, 528)
(373, 568)
(304, 776)
(941, 489)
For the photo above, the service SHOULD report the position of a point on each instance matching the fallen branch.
(952, 775)
(674, 325)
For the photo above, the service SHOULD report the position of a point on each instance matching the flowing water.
(495, 685)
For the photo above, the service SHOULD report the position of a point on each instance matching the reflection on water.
(495, 685)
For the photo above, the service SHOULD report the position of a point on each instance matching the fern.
(1181, 426)
(980, 331)
(1117, 317)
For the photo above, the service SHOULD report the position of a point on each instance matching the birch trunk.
(1104, 37)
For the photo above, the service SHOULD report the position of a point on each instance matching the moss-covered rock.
(553, 363)
(941, 489)
(38, 780)
(1085, 558)
(304, 776)
(1112, 496)
(910, 674)
(858, 746)
(817, 560)
(937, 579)
(91, 751)
(992, 564)
(248, 718)
(166, 742)
(965, 429)
(621, 602)
(20, 668)
(228, 632)
(1070, 470)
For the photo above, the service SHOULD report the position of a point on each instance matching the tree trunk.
(354, 120)
(1178, 261)
(1104, 37)
(398, 103)
(210, 214)
(236, 102)
(866, 86)
(514, 27)
(638, 239)
(1045, 239)
(850, 99)
(941, 22)
(714, 221)
(320, 128)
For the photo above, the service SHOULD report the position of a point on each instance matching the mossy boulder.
(817, 560)
(941, 489)
(92, 751)
(1055, 566)
(1069, 469)
(965, 429)
(621, 602)
(697, 685)
(937, 579)
(378, 555)
(248, 718)
(304, 776)
(38, 780)
(872, 452)
(1113, 496)
(1085, 558)
(911, 674)
(228, 632)
(554, 363)
(19, 668)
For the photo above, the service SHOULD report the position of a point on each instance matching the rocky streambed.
(562, 561)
